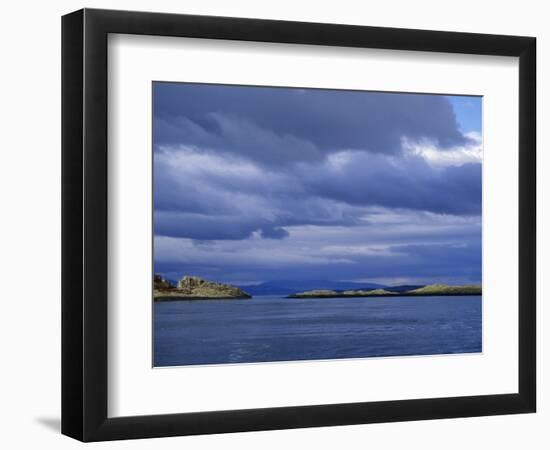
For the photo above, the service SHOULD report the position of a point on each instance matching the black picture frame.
(84, 224)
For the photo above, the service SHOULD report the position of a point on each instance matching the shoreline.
(305, 297)
(173, 298)
(293, 296)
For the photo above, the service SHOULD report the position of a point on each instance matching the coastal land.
(194, 288)
(428, 290)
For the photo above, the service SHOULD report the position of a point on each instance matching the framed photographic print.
(273, 224)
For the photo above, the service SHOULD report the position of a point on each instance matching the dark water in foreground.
(272, 328)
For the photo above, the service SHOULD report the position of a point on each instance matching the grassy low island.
(431, 289)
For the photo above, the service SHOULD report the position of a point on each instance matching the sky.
(255, 184)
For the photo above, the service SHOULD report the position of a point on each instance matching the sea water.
(274, 328)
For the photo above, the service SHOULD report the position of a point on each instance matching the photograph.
(301, 224)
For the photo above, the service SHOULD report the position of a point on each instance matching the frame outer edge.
(95, 227)
(528, 213)
(72, 370)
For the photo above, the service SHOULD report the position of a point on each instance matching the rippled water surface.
(272, 328)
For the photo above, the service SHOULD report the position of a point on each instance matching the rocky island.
(194, 288)
(428, 290)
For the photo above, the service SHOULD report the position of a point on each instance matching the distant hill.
(287, 287)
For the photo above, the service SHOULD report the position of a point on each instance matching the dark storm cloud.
(204, 227)
(208, 196)
(456, 261)
(205, 196)
(273, 232)
(370, 180)
(427, 261)
(277, 126)
(265, 184)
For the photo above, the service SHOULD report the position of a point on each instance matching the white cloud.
(472, 152)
